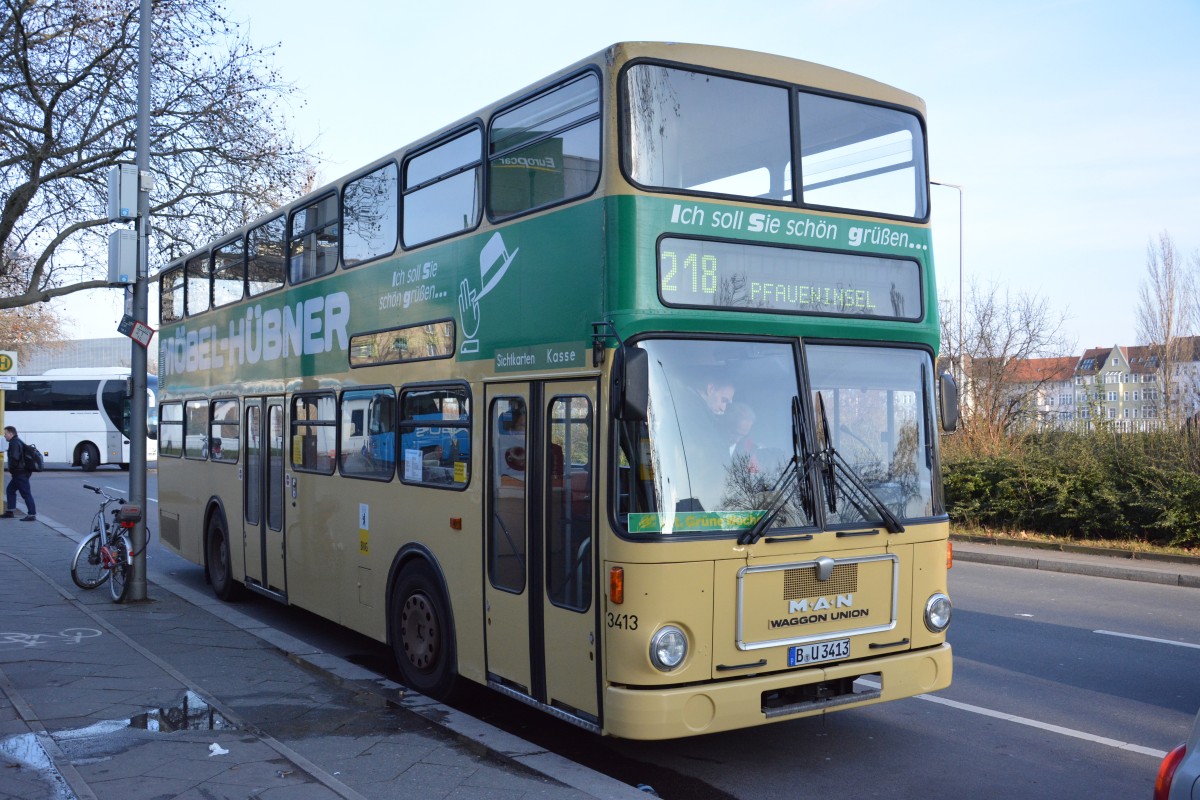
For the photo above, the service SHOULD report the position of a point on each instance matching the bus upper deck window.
(860, 156)
(704, 133)
(313, 240)
(546, 149)
(199, 288)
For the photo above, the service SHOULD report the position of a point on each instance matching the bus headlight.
(668, 648)
(937, 612)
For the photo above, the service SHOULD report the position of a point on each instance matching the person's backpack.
(33, 459)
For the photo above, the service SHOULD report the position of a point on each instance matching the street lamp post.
(958, 188)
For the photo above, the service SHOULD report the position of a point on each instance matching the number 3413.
(628, 622)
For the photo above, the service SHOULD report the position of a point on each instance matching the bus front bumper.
(690, 710)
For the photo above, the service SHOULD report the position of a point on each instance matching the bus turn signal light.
(616, 585)
(949, 554)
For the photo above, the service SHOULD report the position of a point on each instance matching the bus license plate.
(821, 651)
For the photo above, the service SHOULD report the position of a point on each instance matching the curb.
(1082, 549)
(1158, 573)
(475, 733)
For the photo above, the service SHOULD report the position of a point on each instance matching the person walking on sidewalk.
(18, 480)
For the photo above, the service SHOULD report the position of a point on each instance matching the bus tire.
(218, 564)
(89, 457)
(423, 633)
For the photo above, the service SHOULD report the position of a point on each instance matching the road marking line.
(1149, 639)
(1033, 723)
(121, 491)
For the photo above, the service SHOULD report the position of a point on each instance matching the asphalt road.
(1065, 686)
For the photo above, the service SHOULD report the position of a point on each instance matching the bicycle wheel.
(118, 583)
(87, 568)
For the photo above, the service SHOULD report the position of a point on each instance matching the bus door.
(541, 616)
(262, 532)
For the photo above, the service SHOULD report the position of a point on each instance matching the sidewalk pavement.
(185, 697)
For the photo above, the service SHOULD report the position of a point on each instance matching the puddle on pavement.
(191, 714)
(25, 751)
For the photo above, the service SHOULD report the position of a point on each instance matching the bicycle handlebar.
(110, 498)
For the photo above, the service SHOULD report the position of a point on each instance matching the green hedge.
(1132, 486)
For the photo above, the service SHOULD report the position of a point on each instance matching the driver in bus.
(701, 412)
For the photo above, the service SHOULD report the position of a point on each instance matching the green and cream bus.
(618, 397)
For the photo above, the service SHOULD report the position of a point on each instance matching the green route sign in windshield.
(747, 277)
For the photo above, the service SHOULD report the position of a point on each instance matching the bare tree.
(1002, 333)
(68, 103)
(1167, 317)
(28, 328)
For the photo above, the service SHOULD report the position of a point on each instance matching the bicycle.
(106, 553)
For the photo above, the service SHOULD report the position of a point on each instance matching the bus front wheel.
(422, 634)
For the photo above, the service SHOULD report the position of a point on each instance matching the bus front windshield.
(727, 442)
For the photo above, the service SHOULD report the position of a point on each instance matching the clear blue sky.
(1073, 126)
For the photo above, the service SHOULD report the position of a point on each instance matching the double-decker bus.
(617, 396)
(80, 416)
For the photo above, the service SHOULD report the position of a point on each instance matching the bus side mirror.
(631, 384)
(948, 402)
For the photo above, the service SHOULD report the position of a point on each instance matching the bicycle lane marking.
(65, 636)
(83, 790)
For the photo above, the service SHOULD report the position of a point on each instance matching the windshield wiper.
(833, 465)
(791, 479)
(886, 516)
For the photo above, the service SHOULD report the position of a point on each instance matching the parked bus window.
(170, 430)
(264, 257)
(195, 429)
(171, 285)
(225, 439)
(368, 439)
(228, 273)
(313, 240)
(569, 503)
(441, 189)
(314, 433)
(369, 208)
(435, 436)
(199, 287)
(546, 150)
(507, 523)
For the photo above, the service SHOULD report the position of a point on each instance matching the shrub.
(1133, 486)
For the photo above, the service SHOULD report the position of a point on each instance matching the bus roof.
(614, 57)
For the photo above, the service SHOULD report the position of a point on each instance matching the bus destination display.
(747, 277)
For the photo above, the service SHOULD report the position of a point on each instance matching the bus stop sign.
(8, 369)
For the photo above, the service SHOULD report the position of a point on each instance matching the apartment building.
(1125, 385)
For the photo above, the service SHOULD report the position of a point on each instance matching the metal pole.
(141, 296)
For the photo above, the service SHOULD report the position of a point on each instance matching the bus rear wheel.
(219, 565)
(422, 633)
(89, 457)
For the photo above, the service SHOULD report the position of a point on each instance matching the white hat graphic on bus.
(494, 260)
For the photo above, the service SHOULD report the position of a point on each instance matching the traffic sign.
(8, 369)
